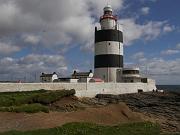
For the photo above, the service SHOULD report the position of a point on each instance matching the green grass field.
(30, 101)
(94, 129)
(143, 128)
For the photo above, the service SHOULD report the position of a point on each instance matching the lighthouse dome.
(108, 8)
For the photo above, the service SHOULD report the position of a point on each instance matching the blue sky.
(46, 36)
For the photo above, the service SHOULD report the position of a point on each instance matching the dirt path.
(108, 115)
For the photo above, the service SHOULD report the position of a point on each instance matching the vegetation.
(31, 101)
(28, 108)
(171, 134)
(146, 128)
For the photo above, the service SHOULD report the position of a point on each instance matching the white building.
(48, 77)
(82, 76)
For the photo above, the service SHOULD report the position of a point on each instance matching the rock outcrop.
(163, 107)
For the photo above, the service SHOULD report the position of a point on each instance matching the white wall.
(114, 88)
(106, 74)
(82, 89)
(54, 77)
(108, 24)
(109, 47)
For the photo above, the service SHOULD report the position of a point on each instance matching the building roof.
(81, 74)
(108, 8)
(47, 75)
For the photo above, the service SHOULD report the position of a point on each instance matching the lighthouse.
(108, 59)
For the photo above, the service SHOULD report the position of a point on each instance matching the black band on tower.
(108, 60)
(108, 35)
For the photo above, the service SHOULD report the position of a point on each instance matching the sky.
(58, 36)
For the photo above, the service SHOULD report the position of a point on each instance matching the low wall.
(82, 89)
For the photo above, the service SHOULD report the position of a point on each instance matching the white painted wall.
(73, 80)
(54, 77)
(108, 24)
(106, 74)
(109, 47)
(82, 89)
(120, 27)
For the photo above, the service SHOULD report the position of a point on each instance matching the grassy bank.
(30, 101)
(93, 129)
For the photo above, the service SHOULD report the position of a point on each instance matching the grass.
(171, 134)
(31, 101)
(145, 128)
(28, 108)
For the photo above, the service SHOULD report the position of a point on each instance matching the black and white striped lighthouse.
(108, 47)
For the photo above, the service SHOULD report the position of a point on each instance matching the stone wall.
(82, 89)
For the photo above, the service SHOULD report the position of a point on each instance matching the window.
(140, 90)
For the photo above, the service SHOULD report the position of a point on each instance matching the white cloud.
(164, 71)
(60, 24)
(178, 46)
(8, 48)
(168, 28)
(145, 10)
(65, 22)
(97, 5)
(32, 39)
(148, 31)
(45, 61)
(170, 52)
(138, 55)
(169, 68)
(30, 65)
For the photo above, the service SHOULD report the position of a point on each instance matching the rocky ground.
(162, 107)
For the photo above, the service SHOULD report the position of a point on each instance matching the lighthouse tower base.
(108, 74)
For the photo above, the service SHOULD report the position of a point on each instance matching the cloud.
(145, 10)
(58, 26)
(138, 55)
(178, 46)
(148, 1)
(168, 28)
(163, 71)
(170, 52)
(65, 22)
(30, 65)
(61, 22)
(176, 50)
(8, 48)
(148, 31)
(32, 39)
